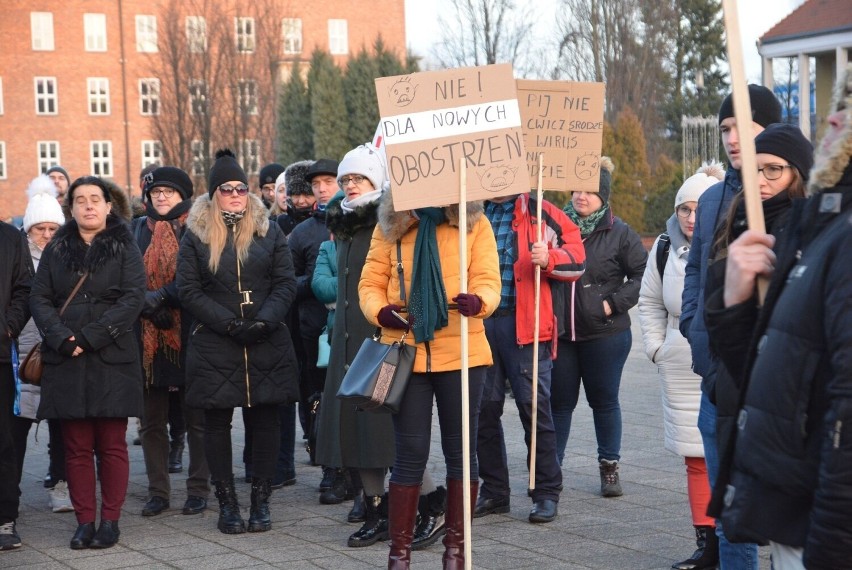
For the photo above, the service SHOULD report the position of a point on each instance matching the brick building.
(79, 85)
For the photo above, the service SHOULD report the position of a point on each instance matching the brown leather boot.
(454, 539)
(402, 510)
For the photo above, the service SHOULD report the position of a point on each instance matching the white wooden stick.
(465, 381)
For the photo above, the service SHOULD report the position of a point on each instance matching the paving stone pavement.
(648, 528)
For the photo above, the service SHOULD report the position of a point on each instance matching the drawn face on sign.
(587, 165)
(402, 92)
(495, 178)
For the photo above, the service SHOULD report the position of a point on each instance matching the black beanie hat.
(269, 173)
(322, 166)
(60, 170)
(787, 142)
(224, 169)
(170, 177)
(765, 108)
(605, 186)
(295, 181)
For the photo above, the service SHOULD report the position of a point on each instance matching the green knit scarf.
(588, 224)
(428, 306)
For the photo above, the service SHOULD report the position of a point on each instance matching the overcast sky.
(756, 17)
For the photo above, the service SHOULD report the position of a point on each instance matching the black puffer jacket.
(305, 240)
(220, 373)
(615, 263)
(16, 270)
(105, 381)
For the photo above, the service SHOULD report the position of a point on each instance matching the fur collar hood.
(396, 224)
(118, 198)
(345, 225)
(200, 214)
(832, 162)
(72, 252)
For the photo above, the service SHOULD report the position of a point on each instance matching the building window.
(94, 26)
(146, 34)
(152, 153)
(101, 157)
(198, 97)
(291, 35)
(248, 97)
(250, 156)
(48, 155)
(196, 34)
(149, 96)
(198, 158)
(2, 160)
(46, 98)
(338, 37)
(41, 28)
(98, 95)
(245, 35)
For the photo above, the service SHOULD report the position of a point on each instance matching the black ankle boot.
(430, 519)
(706, 556)
(107, 535)
(230, 521)
(176, 454)
(259, 519)
(340, 491)
(358, 512)
(376, 525)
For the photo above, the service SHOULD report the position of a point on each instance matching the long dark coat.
(347, 437)
(222, 373)
(106, 381)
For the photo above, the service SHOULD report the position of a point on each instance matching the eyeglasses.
(774, 171)
(240, 189)
(684, 211)
(167, 192)
(356, 178)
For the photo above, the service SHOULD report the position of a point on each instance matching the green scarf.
(588, 224)
(428, 306)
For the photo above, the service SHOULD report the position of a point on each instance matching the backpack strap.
(663, 246)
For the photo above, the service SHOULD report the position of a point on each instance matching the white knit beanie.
(694, 186)
(366, 161)
(281, 180)
(43, 205)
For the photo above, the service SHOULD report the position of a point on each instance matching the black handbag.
(378, 376)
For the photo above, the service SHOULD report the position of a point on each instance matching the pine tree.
(387, 62)
(328, 107)
(360, 94)
(295, 132)
(631, 181)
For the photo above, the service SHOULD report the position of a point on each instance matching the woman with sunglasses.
(235, 276)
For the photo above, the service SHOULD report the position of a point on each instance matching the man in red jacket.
(510, 331)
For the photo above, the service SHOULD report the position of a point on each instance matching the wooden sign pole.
(742, 113)
(539, 196)
(465, 381)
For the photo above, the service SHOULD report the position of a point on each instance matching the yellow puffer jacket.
(379, 285)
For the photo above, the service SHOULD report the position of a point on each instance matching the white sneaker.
(60, 500)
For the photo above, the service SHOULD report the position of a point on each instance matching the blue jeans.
(515, 363)
(413, 424)
(598, 364)
(732, 556)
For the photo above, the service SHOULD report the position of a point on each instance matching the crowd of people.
(202, 304)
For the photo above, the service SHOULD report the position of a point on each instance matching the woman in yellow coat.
(426, 242)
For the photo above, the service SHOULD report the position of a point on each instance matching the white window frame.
(198, 156)
(250, 156)
(98, 95)
(95, 31)
(41, 30)
(198, 99)
(196, 34)
(47, 153)
(247, 96)
(100, 156)
(146, 33)
(149, 96)
(3, 174)
(48, 97)
(338, 37)
(152, 153)
(291, 35)
(245, 34)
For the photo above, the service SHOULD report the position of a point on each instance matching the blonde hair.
(244, 231)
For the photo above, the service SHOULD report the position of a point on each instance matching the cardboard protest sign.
(430, 120)
(564, 121)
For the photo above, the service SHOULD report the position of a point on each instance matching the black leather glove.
(387, 319)
(247, 332)
(153, 301)
(67, 347)
(162, 318)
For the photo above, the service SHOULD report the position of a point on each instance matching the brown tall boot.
(454, 539)
(402, 510)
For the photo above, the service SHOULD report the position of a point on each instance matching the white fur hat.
(366, 161)
(43, 205)
(694, 186)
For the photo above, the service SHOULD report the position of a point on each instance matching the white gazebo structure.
(821, 29)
